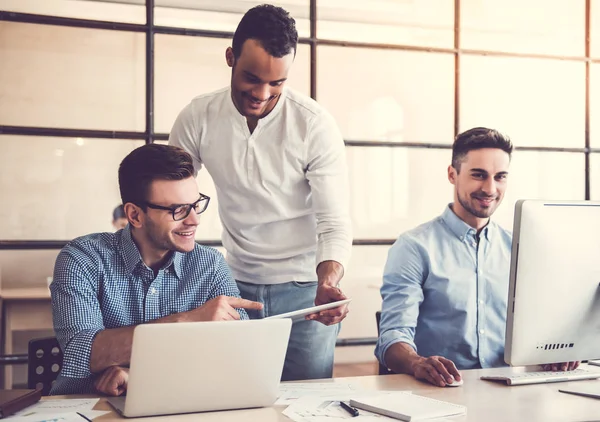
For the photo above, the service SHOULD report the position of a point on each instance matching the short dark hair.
(271, 26)
(148, 163)
(478, 138)
(119, 212)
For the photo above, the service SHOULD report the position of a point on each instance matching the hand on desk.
(112, 381)
(221, 308)
(563, 366)
(437, 370)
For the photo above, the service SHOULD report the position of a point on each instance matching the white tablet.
(301, 313)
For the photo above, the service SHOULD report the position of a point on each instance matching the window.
(538, 103)
(67, 188)
(533, 26)
(388, 95)
(55, 76)
(418, 23)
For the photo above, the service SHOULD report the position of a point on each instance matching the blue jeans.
(312, 344)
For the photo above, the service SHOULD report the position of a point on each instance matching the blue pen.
(349, 409)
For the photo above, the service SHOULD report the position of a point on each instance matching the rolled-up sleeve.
(76, 310)
(327, 174)
(402, 294)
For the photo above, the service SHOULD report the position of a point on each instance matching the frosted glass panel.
(595, 29)
(420, 23)
(535, 102)
(186, 67)
(595, 177)
(595, 105)
(67, 188)
(223, 15)
(80, 9)
(542, 175)
(531, 26)
(388, 95)
(71, 77)
(395, 189)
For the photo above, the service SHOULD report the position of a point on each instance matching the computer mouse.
(454, 383)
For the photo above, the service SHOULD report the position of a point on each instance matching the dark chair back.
(382, 369)
(45, 361)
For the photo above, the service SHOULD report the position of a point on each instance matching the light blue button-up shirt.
(445, 291)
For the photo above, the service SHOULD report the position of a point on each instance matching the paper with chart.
(327, 408)
(290, 392)
(60, 410)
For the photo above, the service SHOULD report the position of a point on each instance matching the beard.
(479, 213)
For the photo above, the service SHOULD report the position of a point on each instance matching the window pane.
(521, 96)
(595, 177)
(189, 66)
(420, 23)
(408, 96)
(71, 77)
(595, 105)
(542, 175)
(68, 188)
(361, 281)
(80, 9)
(595, 29)
(532, 26)
(223, 15)
(393, 190)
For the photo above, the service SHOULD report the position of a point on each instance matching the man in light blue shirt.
(445, 283)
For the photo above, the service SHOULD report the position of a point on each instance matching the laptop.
(204, 366)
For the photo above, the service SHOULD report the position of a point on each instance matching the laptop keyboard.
(542, 377)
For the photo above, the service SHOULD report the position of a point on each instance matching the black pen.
(84, 417)
(349, 409)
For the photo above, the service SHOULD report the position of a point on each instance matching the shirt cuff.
(341, 255)
(76, 356)
(392, 337)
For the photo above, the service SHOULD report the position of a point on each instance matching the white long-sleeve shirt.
(282, 190)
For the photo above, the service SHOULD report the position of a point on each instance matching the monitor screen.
(553, 312)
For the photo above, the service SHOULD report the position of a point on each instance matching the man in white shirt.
(278, 163)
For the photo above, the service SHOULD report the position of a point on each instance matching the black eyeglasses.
(180, 212)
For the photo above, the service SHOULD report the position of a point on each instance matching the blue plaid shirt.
(100, 282)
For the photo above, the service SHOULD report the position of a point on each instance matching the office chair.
(45, 361)
(382, 369)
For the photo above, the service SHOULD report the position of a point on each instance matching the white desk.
(485, 401)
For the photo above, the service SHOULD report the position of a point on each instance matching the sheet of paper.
(63, 410)
(57, 417)
(289, 392)
(58, 406)
(327, 408)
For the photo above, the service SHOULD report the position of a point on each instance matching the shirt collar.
(462, 229)
(132, 257)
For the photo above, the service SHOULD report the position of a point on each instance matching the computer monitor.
(553, 312)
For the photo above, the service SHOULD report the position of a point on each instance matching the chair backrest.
(382, 369)
(45, 361)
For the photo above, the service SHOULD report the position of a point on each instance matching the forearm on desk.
(113, 346)
(401, 357)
